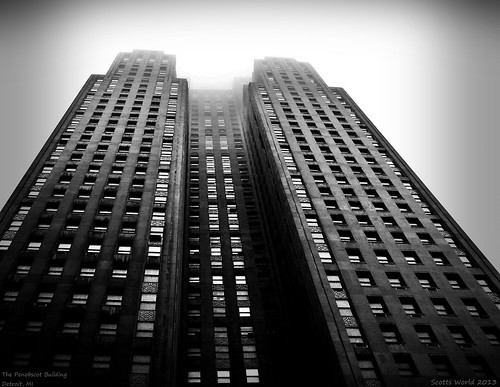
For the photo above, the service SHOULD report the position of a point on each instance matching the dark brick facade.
(267, 235)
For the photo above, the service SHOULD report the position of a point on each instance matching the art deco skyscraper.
(94, 231)
(266, 235)
(383, 287)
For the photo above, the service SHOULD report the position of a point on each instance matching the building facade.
(265, 235)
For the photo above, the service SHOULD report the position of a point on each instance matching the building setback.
(266, 235)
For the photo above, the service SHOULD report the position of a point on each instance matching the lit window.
(123, 249)
(460, 336)
(355, 336)
(390, 334)
(378, 306)
(145, 329)
(367, 368)
(61, 360)
(410, 306)
(107, 329)
(492, 334)
(114, 300)
(223, 376)
(396, 280)
(94, 249)
(33, 246)
(79, 299)
(426, 335)
(474, 308)
(101, 362)
(442, 307)
(365, 279)
(140, 364)
(44, 298)
(455, 281)
(252, 375)
(194, 377)
(63, 247)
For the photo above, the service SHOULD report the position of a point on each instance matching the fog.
(426, 73)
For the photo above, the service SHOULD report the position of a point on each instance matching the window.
(145, 329)
(55, 269)
(426, 281)
(474, 308)
(379, 206)
(345, 236)
(119, 273)
(44, 298)
(338, 219)
(344, 308)
(396, 280)
(439, 258)
(107, 329)
(23, 270)
(355, 336)
(465, 260)
(364, 220)
(455, 281)
(87, 272)
(399, 238)
(94, 248)
(443, 366)
(365, 278)
(34, 246)
(426, 335)
(21, 359)
(378, 306)
(148, 301)
(383, 257)
(389, 221)
(367, 368)
(61, 360)
(425, 239)
(101, 362)
(411, 258)
(79, 299)
(391, 334)
(492, 334)
(442, 307)
(405, 365)
(140, 364)
(460, 336)
(483, 282)
(34, 326)
(414, 222)
(194, 377)
(124, 249)
(70, 328)
(10, 296)
(479, 366)
(372, 237)
(334, 281)
(252, 375)
(410, 306)
(354, 255)
(223, 376)
(114, 300)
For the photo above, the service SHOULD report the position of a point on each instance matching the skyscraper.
(266, 235)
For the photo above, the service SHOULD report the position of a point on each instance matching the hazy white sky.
(425, 72)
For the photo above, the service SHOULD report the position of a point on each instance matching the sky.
(425, 72)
